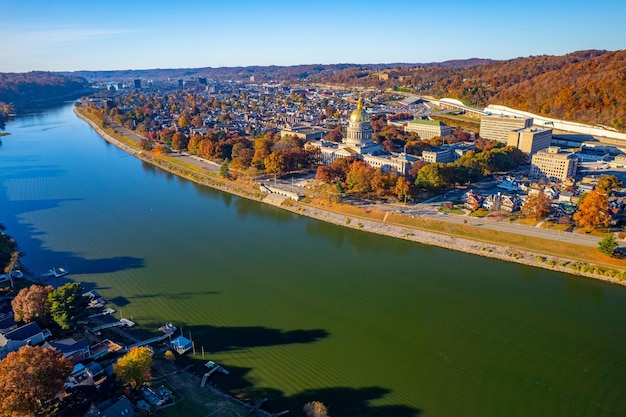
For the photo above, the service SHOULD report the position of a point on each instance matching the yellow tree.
(315, 409)
(30, 378)
(275, 163)
(593, 211)
(134, 367)
(403, 188)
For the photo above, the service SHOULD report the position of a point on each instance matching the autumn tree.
(134, 367)
(608, 245)
(402, 188)
(32, 303)
(68, 305)
(537, 206)
(315, 409)
(275, 163)
(608, 183)
(593, 210)
(30, 379)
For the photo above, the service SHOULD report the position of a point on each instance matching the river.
(300, 310)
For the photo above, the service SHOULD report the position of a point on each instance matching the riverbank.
(572, 259)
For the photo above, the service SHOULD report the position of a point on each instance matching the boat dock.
(121, 323)
(167, 330)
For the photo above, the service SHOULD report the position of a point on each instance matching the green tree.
(433, 176)
(68, 305)
(608, 245)
(134, 367)
(32, 303)
(30, 378)
(224, 169)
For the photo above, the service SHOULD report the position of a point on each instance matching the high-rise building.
(530, 140)
(553, 164)
(496, 127)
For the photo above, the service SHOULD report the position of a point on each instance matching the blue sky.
(62, 35)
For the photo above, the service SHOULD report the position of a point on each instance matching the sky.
(64, 35)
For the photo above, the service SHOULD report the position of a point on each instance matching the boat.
(17, 274)
(4, 277)
(55, 272)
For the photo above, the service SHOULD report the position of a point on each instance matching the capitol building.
(358, 142)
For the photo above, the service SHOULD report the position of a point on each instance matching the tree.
(608, 245)
(403, 188)
(224, 171)
(30, 378)
(68, 305)
(537, 206)
(593, 210)
(32, 303)
(275, 163)
(134, 367)
(608, 183)
(433, 176)
(315, 409)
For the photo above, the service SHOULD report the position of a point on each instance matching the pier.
(121, 323)
(167, 330)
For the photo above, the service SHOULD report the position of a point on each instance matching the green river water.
(300, 310)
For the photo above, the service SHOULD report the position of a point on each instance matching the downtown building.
(496, 127)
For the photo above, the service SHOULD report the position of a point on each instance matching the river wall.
(505, 253)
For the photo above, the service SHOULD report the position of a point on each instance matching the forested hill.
(32, 88)
(584, 86)
(271, 73)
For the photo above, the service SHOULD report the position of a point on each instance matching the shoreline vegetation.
(543, 253)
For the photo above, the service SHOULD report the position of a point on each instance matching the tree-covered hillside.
(31, 88)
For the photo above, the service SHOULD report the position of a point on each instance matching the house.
(29, 334)
(552, 192)
(509, 183)
(74, 350)
(7, 323)
(473, 200)
(83, 375)
(511, 203)
(121, 408)
(492, 202)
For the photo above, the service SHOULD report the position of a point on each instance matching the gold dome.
(359, 115)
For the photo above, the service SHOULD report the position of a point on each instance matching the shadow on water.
(226, 339)
(340, 401)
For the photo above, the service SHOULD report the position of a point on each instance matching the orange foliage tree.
(593, 211)
(30, 378)
(32, 303)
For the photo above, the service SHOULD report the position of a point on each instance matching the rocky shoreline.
(505, 253)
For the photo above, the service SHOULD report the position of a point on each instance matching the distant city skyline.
(119, 35)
